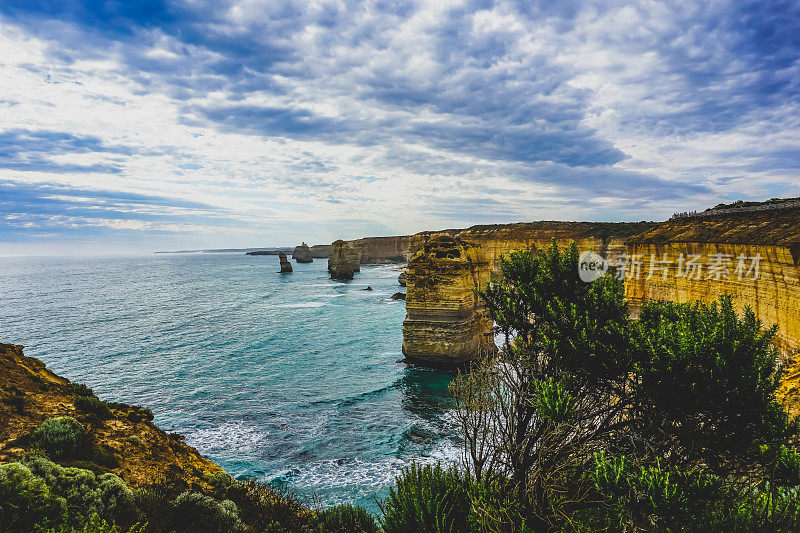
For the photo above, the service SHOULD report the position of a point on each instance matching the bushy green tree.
(685, 396)
(59, 437)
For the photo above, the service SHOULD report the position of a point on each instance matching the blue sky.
(134, 126)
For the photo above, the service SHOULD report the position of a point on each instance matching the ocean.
(290, 378)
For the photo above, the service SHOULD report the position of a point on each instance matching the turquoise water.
(290, 378)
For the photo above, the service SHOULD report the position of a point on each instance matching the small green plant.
(93, 406)
(59, 437)
(428, 498)
(347, 519)
(136, 440)
(139, 414)
(198, 512)
(79, 389)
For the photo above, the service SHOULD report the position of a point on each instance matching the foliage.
(707, 385)
(262, 505)
(86, 493)
(59, 437)
(346, 519)
(80, 390)
(668, 422)
(93, 406)
(428, 498)
(198, 512)
(26, 502)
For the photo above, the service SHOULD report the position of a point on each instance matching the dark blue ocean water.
(292, 378)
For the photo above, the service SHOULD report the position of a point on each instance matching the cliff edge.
(123, 440)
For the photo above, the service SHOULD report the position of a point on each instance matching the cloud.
(270, 109)
(33, 150)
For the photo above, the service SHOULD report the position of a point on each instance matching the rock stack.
(302, 254)
(446, 323)
(401, 279)
(343, 260)
(286, 266)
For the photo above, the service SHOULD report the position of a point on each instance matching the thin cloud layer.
(271, 114)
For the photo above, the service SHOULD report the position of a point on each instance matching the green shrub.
(94, 407)
(139, 414)
(428, 498)
(136, 440)
(87, 493)
(347, 519)
(59, 437)
(79, 389)
(26, 502)
(261, 506)
(197, 512)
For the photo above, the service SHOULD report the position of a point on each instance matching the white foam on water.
(239, 436)
(301, 305)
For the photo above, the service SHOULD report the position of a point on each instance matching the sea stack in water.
(401, 279)
(343, 260)
(302, 254)
(286, 266)
(446, 323)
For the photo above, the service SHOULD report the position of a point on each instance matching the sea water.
(290, 378)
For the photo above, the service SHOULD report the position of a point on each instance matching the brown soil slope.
(127, 444)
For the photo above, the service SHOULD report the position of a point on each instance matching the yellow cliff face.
(446, 323)
(445, 320)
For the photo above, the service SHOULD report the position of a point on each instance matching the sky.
(141, 126)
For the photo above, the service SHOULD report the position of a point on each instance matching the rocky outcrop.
(399, 296)
(343, 260)
(127, 443)
(444, 318)
(445, 323)
(302, 254)
(286, 266)
(401, 279)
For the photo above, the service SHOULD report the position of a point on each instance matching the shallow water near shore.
(290, 378)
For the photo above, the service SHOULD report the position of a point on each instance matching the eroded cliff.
(445, 323)
(444, 318)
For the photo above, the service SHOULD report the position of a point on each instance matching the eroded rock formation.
(302, 254)
(444, 318)
(286, 266)
(343, 260)
(401, 279)
(446, 324)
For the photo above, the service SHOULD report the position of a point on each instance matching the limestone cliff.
(302, 254)
(381, 250)
(445, 323)
(320, 251)
(343, 260)
(444, 318)
(127, 443)
(755, 257)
